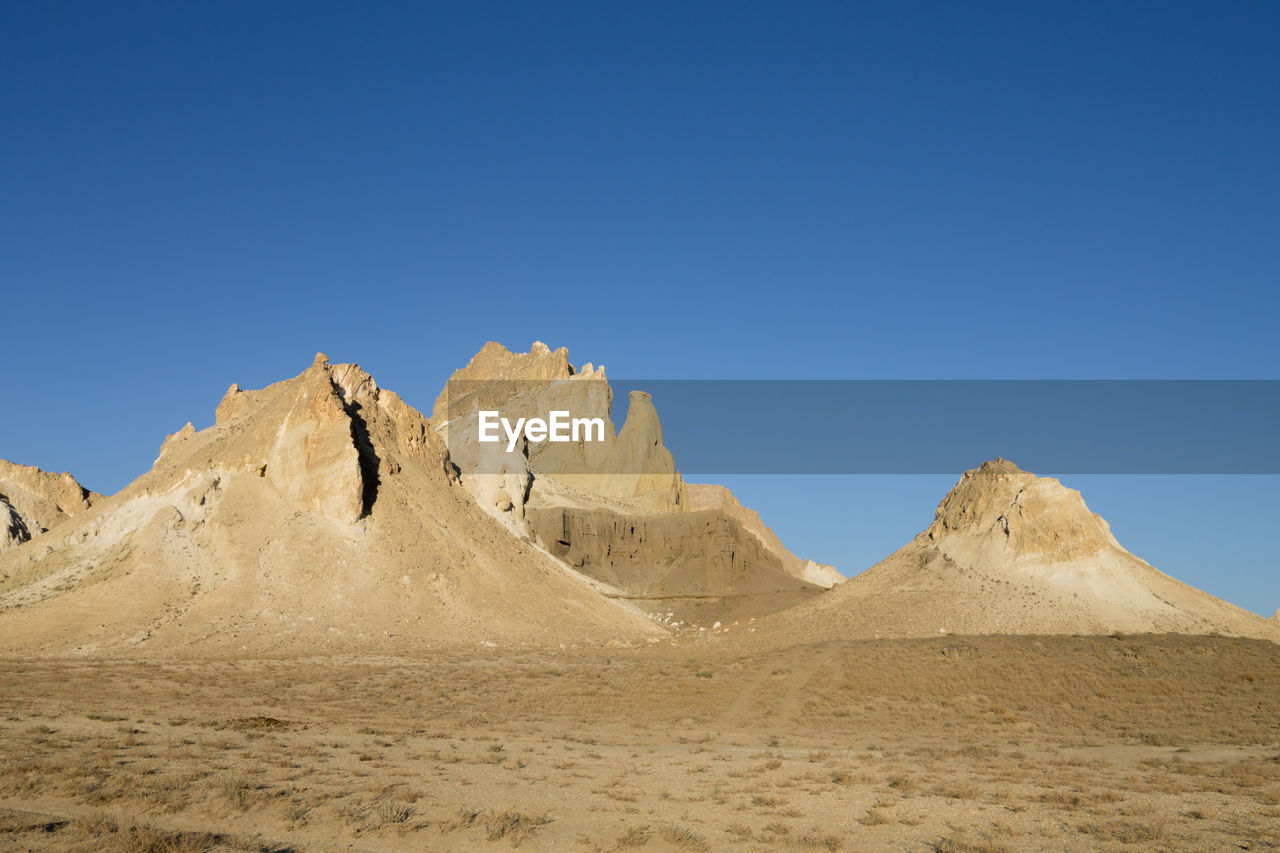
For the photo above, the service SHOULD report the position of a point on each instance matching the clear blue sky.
(196, 194)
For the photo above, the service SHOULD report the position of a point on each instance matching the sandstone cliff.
(696, 566)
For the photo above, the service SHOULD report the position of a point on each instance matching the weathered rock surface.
(710, 496)
(819, 574)
(320, 514)
(698, 566)
(37, 501)
(315, 461)
(13, 529)
(630, 466)
(590, 491)
(639, 452)
(480, 385)
(1012, 553)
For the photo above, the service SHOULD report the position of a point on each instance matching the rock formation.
(13, 529)
(697, 566)
(1012, 553)
(609, 508)
(630, 466)
(322, 459)
(319, 514)
(35, 501)
(818, 574)
(709, 496)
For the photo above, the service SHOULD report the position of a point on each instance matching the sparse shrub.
(636, 836)
(353, 811)
(683, 837)
(394, 812)
(237, 791)
(513, 826)
(821, 841)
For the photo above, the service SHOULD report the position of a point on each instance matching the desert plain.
(1149, 742)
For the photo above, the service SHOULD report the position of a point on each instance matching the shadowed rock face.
(13, 530)
(708, 496)
(695, 564)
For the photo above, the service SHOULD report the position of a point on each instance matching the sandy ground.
(954, 744)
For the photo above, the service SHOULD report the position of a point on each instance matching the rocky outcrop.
(186, 432)
(482, 384)
(618, 509)
(999, 512)
(631, 466)
(319, 514)
(1012, 553)
(699, 566)
(709, 496)
(819, 574)
(234, 402)
(639, 464)
(315, 461)
(37, 501)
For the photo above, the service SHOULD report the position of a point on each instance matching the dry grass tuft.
(513, 826)
(636, 836)
(683, 837)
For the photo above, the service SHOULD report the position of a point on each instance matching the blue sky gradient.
(196, 194)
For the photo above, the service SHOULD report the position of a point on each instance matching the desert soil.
(955, 744)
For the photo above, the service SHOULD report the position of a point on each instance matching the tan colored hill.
(318, 515)
(711, 496)
(34, 501)
(1012, 553)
